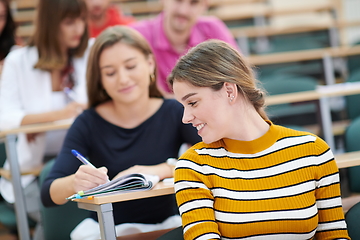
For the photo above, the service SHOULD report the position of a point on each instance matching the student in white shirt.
(45, 82)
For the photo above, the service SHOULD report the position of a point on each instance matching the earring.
(232, 98)
(152, 78)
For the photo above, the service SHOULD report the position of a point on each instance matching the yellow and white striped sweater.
(283, 185)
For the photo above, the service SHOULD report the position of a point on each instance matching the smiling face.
(71, 32)
(205, 109)
(182, 15)
(125, 72)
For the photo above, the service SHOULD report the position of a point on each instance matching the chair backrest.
(352, 220)
(290, 85)
(7, 213)
(352, 134)
(2, 154)
(175, 234)
(352, 143)
(353, 61)
(352, 101)
(59, 221)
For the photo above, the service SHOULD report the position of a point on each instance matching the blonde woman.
(248, 178)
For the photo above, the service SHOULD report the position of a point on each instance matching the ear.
(231, 91)
(151, 62)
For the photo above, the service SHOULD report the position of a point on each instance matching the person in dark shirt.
(129, 128)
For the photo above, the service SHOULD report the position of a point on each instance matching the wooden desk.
(11, 153)
(322, 94)
(303, 55)
(272, 30)
(103, 205)
(324, 54)
(242, 11)
(349, 159)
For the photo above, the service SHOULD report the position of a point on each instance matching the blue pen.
(84, 161)
(70, 95)
(81, 158)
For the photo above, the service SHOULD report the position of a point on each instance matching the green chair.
(59, 221)
(297, 128)
(352, 220)
(352, 101)
(299, 41)
(2, 154)
(7, 214)
(353, 62)
(175, 234)
(291, 85)
(352, 143)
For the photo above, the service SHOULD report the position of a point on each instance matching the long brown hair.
(109, 37)
(46, 36)
(7, 36)
(214, 62)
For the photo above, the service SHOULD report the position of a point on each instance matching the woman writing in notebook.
(249, 178)
(128, 128)
(45, 82)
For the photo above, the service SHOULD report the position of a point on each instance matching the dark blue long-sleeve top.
(105, 144)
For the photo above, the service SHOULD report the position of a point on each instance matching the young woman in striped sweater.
(249, 178)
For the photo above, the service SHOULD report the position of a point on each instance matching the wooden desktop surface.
(160, 189)
(342, 89)
(38, 128)
(303, 55)
(255, 31)
(349, 159)
(344, 160)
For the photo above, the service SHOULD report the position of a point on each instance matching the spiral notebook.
(130, 182)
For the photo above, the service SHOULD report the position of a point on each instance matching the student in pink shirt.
(177, 29)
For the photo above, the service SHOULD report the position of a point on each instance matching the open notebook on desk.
(130, 182)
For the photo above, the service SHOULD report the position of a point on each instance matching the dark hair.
(7, 36)
(214, 62)
(108, 38)
(50, 14)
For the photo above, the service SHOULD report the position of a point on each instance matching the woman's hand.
(31, 137)
(87, 177)
(162, 170)
(73, 109)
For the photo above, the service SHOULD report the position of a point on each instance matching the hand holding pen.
(88, 176)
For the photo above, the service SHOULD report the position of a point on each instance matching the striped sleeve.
(328, 198)
(189, 182)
